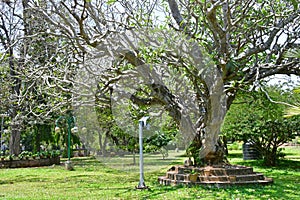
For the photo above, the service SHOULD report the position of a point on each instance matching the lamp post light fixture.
(70, 119)
(142, 124)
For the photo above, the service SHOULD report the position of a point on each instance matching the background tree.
(29, 52)
(11, 60)
(254, 119)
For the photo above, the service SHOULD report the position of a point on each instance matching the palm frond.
(293, 53)
(292, 112)
(297, 90)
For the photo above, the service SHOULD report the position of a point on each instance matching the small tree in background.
(255, 118)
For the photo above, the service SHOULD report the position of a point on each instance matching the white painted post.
(142, 123)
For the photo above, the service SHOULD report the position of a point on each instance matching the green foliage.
(158, 142)
(30, 155)
(253, 118)
(293, 53)
(37, 134)
(123, 140)
(159, 139)
(193, 151)
(234, 146)
(110, 2)
(25, 155)
(162, 138)
(295, 4)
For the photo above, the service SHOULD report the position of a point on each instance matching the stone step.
(165, 181)
(223, 175)
(227, 171)
(247, 177)
(233, 178)
(236, 170)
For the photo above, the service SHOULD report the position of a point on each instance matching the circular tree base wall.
(219, 176)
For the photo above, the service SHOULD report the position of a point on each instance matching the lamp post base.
(68, 165)
(141, 186)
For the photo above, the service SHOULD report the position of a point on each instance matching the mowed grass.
(92, 179)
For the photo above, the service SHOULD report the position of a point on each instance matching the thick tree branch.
(265, 45)
(161, 94)
(176, 14)
(268, 70)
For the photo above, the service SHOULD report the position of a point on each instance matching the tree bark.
(14, 143)
(218, 150)
(15, 137)
(37, 139)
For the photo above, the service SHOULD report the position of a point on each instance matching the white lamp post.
(142, 123)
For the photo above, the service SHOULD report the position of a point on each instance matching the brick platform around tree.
(220, 176)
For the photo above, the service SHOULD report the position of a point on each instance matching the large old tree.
(246, 40)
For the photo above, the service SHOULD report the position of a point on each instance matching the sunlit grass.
(92, 179)
(152, 162)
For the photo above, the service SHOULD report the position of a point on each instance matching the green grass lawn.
(92, 179)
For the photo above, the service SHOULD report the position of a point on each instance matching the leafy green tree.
(162, 138)
(32, 137)
(9, 35)
(255, 119)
